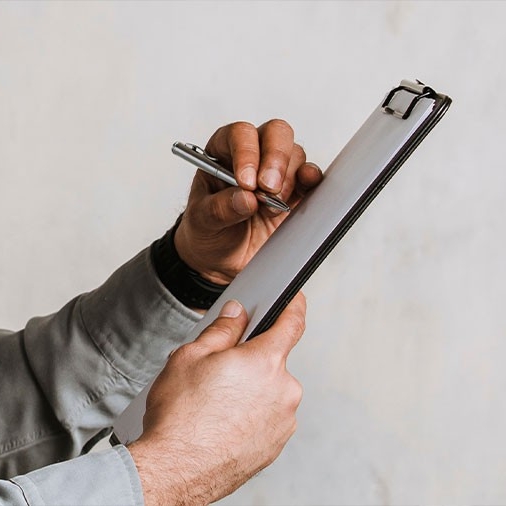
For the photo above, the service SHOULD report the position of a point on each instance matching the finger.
(226, 331)
(285, 333)
(297, 159)
(237, 145)
(216, 210)
(276, 144)
(308, 176)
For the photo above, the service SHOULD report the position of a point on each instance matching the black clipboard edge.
(441, 105)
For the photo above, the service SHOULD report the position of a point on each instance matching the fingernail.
(240, 203)
(231, 309)
(314, 167)
(271, 178)
(249, 177)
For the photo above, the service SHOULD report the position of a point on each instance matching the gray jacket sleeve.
(108, 478)
(66, 377)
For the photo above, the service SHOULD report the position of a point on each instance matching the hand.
(223, 226)
(219, 413)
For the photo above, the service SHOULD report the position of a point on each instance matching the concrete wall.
(402, 361)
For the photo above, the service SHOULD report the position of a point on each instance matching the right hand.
(219, 413)
(224, 226)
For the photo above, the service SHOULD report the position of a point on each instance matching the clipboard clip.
(418, 89)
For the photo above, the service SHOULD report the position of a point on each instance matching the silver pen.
(198, 157)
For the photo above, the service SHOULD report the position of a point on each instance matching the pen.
(198, 157)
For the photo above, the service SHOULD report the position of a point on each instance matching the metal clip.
(200, 151)
(418, 89)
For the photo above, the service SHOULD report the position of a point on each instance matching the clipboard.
(311, 231)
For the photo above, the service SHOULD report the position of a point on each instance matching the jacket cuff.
(108, 477)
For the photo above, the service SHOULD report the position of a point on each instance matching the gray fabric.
(68, 375)
(108, 478)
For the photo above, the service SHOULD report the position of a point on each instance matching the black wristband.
(184, 283)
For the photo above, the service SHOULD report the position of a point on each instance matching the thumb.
(226, 331)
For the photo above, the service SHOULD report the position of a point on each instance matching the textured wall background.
(403, 356)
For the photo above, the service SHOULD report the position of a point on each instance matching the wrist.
(151, 493)
(186, 284)
(158, 488)
(190, 251)
(162, 482)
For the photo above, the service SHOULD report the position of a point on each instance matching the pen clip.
(200, 151)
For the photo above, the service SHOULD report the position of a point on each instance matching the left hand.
(223, 226)
(219, 412)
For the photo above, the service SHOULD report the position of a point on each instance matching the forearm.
(68, 375)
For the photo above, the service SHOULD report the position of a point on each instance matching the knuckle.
(221, 331)
(279, 124)
(243, 133)
(243, 138)
(229, 138)
(297, 324)
(297, 389)
(299, 154)
(295, 329)
(219, 133)
(185, 354)
(273, 360)
(300, 325)
(221, 328)
(294, 394)
(242, 126)
(298, 310)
